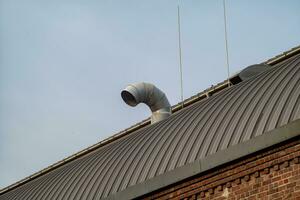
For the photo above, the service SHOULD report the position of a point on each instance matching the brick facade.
(272, 174)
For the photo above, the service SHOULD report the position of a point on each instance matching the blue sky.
(64, 63)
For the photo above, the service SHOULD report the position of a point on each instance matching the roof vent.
(252, 70)
(248, 72)
(147, 93)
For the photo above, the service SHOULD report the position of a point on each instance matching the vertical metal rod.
(226, 42)
(180, 56)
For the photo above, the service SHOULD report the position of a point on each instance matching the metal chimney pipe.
(147, 93)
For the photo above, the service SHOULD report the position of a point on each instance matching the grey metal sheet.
(276, 136)
(235, 115)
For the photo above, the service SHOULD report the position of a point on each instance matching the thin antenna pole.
(226, 42)
(180, 56)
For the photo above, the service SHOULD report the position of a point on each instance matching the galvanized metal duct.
(147, 93)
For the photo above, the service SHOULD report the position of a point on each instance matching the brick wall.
(273, 174)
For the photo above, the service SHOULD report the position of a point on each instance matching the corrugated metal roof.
(235, 115)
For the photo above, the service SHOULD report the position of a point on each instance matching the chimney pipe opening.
(128, 98)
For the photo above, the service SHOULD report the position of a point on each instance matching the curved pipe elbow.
(147, 93)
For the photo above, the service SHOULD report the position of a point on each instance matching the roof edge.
(232, 153)
(285, 55)
(177, 107)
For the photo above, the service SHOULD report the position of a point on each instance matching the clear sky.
(63, 64)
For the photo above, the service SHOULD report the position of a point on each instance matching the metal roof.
(237, 114)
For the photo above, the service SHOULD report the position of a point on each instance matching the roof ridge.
(177, 107)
